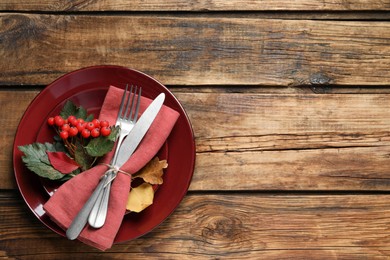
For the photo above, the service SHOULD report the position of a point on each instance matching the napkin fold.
(70, 197)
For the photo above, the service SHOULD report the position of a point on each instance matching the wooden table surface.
(290, 106)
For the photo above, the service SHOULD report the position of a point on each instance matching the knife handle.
(81, 218)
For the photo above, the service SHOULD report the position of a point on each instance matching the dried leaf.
(140, 197)
(153, 171)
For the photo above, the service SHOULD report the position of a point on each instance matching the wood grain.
(39, 48)
(259, 141)
(226, 226)
(203, 5)
(289, 102)
(290, 141)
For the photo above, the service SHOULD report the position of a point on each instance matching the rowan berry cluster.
(73, 126)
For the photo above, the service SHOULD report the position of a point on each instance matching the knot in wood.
(20, 29)
(320, 79)
(225, 233)
(223, 227)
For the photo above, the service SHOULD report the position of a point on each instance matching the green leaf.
(70, 109)
(114, 133)
(36, 160)
(82, 157)
(101, 145)
(59, 145)
(89, 118)
(70, 175)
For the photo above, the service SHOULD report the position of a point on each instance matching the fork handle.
(98, 212)
(81, 218)
(97, 217)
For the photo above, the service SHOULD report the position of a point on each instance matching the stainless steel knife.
(127, 148)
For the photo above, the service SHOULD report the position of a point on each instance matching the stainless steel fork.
(126, 122)
(81, 218)
(127, 115)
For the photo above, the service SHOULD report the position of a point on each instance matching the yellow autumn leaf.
(153, 171)
(140, 197)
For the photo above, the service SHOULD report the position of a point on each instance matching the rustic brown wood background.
(289, 102)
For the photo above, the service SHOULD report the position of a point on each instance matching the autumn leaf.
(153, 171)
(140, 197)
(62, 162)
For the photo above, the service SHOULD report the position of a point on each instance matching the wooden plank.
(176, 5)
(39, 48)
(290, 141)
(216, 116)
(286, 141)
(13, 104)
(226, 226)
(319, 169)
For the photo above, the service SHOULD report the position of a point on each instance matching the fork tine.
(138, 104)
(132, 104)
(129, 106)
(127, 103)
(122, 102)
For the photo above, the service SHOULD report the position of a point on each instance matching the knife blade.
(139, 130)
(131, 142)
(98, 214)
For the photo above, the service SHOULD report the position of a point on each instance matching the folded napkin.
(67, 201)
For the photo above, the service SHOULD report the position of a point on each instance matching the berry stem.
(71, 147)
(93, 162)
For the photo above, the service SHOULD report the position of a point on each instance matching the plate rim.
(192, 145)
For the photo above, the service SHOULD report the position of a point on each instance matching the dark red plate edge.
(46, 88)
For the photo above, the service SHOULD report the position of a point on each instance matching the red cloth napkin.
(66, 202)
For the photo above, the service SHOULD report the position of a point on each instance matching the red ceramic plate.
(88, 87)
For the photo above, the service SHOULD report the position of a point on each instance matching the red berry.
(59, 121)
(65, 127)
(104, 123)
(80, 120)
(90, 126)
(50, 120)
(72, 120)
(80, 127)
(73, 131)
(85, 133)
(64, 134)
(105, 131)
(96, 122)
(95, 132)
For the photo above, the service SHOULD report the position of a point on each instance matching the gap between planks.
(375, 15)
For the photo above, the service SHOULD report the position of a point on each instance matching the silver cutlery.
(126, 150)
(126, 121)
(126, 107)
